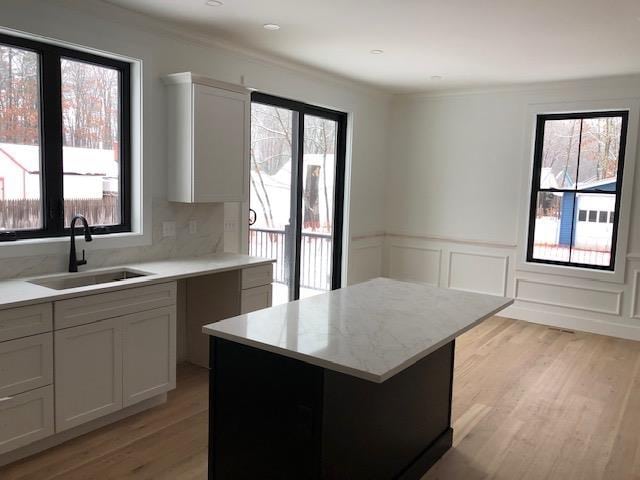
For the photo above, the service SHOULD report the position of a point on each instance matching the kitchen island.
(351, 384)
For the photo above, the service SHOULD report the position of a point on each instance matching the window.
(577, 176)
(603, 217)
(64, 140)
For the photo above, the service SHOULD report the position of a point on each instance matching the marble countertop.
(20, 292)
(372, 330)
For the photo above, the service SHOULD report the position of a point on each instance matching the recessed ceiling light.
(213, 3)
(436, 77)
(377, 51)
(271, 26)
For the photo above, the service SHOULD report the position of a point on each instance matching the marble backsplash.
(208, 239)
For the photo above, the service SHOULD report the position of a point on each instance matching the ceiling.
(468, 43)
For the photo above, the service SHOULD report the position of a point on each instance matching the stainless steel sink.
(77, 280)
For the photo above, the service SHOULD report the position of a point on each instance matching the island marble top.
(372, 330)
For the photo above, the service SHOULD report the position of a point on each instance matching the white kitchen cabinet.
(26, 418)
(149, 352)
(24, 321)
(88, 372)
(91, 308)
(256, 298)
(257, 276)
(208, 139)
(25, 364)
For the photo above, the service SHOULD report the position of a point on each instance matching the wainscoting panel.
(365, 261)
(478, 272)
(575, 297)
(415, 264)
(635, 295)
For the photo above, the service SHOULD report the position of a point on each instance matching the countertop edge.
(51, 295)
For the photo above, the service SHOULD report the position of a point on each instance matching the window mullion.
(52, 142)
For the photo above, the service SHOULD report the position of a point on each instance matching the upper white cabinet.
(208, 139)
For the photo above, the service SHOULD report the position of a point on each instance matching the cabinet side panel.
(266, 415)
(379, 430)
(179, 142)
(209, 298)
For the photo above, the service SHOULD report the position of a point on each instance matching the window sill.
(615, 276)
(60, 245)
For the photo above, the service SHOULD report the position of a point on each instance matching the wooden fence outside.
(27, 214)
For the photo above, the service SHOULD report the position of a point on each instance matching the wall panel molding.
(581, 295)
(464, 240)
(365, 260)
(635, 295)
(403, 267)
(499, 264)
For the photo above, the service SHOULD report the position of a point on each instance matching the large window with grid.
(576, 189)
(64, 140)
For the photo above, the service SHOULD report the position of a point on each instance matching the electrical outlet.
(168, 229)
(229, 226)
(193, 226)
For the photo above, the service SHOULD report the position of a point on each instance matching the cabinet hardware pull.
(5, 399)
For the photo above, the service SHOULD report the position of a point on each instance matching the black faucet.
(73, 260)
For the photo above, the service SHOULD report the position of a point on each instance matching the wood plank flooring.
(530, 402)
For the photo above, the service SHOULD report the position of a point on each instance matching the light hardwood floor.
(530, 402)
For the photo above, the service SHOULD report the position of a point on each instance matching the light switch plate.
(193, 226)
(168, 229)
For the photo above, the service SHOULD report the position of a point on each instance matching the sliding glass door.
(297, 194)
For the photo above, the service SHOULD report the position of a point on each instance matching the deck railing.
(315, 256)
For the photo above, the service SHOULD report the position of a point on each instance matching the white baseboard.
(570, 322)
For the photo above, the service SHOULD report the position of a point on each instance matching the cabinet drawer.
(25, 364)
(257, 276)
(24, 321)
(26, 418)
(92, 308)
(257, 298)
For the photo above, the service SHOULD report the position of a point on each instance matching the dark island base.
(273, 417)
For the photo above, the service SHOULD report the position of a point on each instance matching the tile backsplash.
(209, 238)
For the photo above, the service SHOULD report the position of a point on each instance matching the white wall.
(457, 180)
(164, 50)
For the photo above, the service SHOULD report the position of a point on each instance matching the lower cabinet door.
(149, 353)
(25, 418)
(256, 298)
(26, 364)
(88, 372)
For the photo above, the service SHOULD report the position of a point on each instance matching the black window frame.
(51, 138)
(535, 184)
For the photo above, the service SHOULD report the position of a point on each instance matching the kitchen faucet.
(73, 260)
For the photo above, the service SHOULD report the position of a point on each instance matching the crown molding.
(154, 25)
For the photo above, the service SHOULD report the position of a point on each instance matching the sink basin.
(76, 280)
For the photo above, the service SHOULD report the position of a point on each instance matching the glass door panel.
(273, 174)
(318, 192)
(297, 191)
